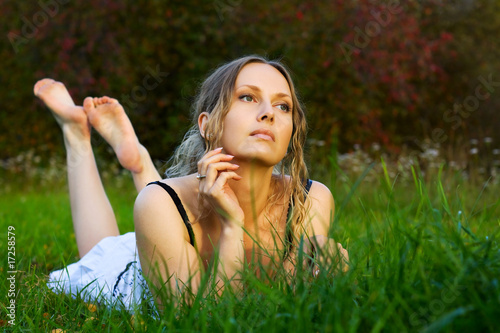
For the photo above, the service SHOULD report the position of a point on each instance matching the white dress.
(110, 272)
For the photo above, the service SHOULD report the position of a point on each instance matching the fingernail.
(230, 155)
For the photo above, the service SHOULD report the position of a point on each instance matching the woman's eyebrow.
(250, 86)
(257, 89)
(281, 94)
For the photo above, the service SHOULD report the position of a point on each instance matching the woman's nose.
(266, 112)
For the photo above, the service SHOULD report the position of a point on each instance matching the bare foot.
(70, 117)
(108, 117)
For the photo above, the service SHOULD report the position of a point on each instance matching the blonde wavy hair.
(215, 97)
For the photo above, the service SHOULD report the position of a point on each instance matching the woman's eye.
(246, 98)
(284, 107)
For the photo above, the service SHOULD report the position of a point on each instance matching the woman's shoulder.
(320, 191)
(152, 197)
(315, 189)
(169, 193)
(179, 185)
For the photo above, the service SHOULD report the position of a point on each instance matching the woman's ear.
(202, 123)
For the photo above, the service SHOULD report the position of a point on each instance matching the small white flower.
(432, 152)
(473, 151)
(488, 140)
(473, 142)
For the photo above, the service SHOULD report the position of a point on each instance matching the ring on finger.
(200, 176)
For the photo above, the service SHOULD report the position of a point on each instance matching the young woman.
(226, 196)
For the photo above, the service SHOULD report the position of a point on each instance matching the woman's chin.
(264, 155)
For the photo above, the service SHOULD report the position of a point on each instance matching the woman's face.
(259, 124)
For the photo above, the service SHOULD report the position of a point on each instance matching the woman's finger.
(222, 197)
(212, 174)
(320, 241)
(343, 256)
(206, 156)
(223, 178)
(210, 158)
(216, 189)
(214, 169)
(212, 152)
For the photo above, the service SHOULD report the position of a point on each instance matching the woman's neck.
(253, 189)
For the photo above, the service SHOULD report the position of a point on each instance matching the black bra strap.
(180, 208)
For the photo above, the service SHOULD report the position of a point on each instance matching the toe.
(106, 99)
(40, 84)
(88, 104)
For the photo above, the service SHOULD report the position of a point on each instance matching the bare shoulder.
(155, 193)
(320, 193)
(152, 195)
(156, 211)
(322, 209)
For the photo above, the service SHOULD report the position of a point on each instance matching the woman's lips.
(263, 134)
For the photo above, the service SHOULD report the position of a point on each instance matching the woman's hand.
(214, 172)
(328, 254)
(214, 188)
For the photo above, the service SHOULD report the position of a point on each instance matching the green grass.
(424, 256)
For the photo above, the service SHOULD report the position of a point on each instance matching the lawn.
(424, 257)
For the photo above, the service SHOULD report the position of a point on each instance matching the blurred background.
(409, 80)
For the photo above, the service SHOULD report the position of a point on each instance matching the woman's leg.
(108, 117)
(93, 217)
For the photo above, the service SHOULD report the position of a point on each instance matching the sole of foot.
(56, 97)
(109, 119)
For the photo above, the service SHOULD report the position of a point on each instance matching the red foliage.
(368, 72)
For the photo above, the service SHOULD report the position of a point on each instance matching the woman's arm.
(167, 258)
(326, 251)
(231, 257)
